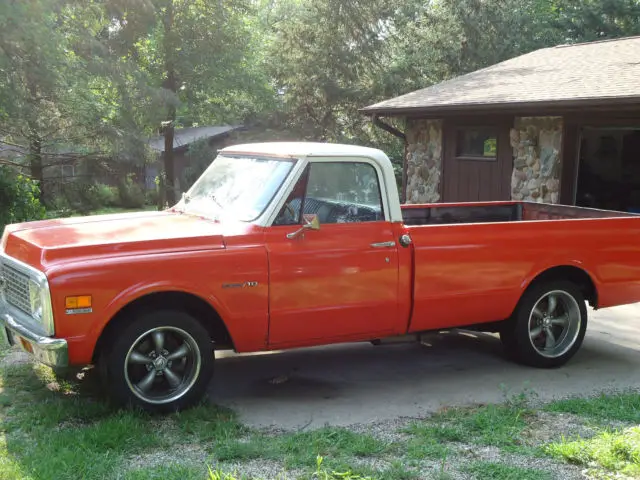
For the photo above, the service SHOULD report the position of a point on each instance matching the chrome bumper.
(50, 351)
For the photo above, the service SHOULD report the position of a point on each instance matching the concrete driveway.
(361, 383)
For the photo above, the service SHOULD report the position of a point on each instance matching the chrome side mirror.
(312, 222)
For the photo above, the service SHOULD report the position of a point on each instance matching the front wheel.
(161, 361)
(548, 326)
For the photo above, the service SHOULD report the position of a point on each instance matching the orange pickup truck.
(286, 245)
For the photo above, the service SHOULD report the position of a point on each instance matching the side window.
(343, 193)
(290, 212)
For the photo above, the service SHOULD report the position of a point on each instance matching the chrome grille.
(16, 290)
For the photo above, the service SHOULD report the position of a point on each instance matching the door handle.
(383, 244)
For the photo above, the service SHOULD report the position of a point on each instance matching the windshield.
(238, 187)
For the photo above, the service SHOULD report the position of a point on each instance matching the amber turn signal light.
(26, 345)
(82, 301)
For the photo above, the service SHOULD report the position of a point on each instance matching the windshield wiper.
(215, 200)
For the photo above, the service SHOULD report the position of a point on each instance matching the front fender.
(116, 283)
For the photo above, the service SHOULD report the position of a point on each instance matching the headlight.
(35, 299)
(26, 292)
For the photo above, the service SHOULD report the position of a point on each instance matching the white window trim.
(391, 209)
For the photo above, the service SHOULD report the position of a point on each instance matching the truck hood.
(45, 243)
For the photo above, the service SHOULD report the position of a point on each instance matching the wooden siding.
(466, 180)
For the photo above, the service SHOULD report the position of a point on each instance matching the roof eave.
(504, 107)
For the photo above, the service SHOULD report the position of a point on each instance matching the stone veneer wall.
(424, 160)
(536, 143)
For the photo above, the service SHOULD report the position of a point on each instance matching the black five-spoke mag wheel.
(160, 361)
(548, 326)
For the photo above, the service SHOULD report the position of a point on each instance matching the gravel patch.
(389, 431)
(261, 469)
(551, 427)
(14, 357)
(473, 453)
(423, 470)
(191, 454)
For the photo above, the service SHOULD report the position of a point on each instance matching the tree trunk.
(35, 142)
(170, 84)
(35, 163)
(169, 164)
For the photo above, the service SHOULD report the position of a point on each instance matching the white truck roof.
(307, 149)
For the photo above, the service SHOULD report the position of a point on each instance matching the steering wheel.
(290, 210)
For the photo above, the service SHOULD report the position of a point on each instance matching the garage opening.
(609, 169)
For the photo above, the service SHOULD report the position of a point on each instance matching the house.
(216, 137)
(557, 125)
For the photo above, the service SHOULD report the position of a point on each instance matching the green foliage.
(301, 449)
(18, 198)
(323, 474)
(622, 407)
(220, 475)
(616, 452)
(80, 196)
(151, 196)
(503, 471)
(590, 20)
(495, 425)
(199, 157)
(104, 195)
(131, 193)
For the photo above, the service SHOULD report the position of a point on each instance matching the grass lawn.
(54, 428)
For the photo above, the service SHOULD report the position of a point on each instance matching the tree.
(325, 58)
(18, 198)
(192, 52)
(36, 82)
(439, 40)
(590, 20)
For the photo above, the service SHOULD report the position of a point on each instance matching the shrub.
(19, 199)
(102, 195)
(152, 196)
(79, 196)
(131, 193)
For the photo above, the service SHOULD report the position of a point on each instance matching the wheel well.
(574, 275)
(185, 302)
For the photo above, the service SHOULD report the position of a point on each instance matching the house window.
(67, 171)
(476, 143)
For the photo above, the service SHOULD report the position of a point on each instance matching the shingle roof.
(567, 74)
(185, 136)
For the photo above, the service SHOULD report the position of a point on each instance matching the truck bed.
(472, 261)
(494, 212)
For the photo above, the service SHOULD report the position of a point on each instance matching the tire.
(543, 332)
(162, 361)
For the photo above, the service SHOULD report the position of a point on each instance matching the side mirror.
(312, 222)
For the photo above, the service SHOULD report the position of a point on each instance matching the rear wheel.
(161, 361)
(548, 326)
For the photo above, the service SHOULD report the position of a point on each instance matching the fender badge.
(77, 311)
(240, 285)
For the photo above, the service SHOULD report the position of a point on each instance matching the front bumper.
(50, 351)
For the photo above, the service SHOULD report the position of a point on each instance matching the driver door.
(339, 282)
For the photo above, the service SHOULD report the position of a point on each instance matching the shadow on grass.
(54, 428)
